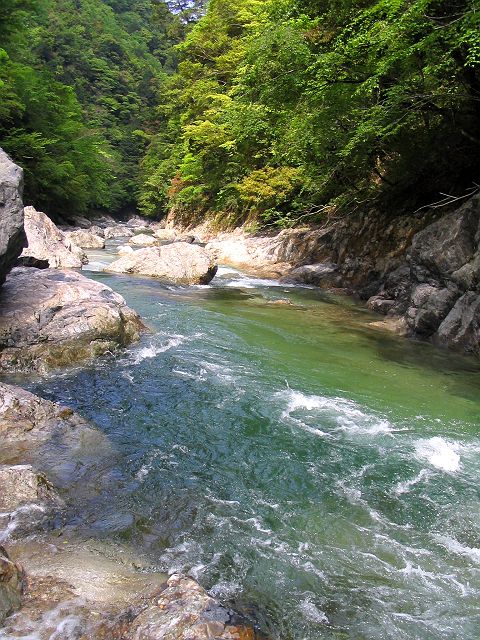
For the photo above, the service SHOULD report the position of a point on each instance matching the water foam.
(345, 413)
(440, 453)
(453, 545)
(152, 350)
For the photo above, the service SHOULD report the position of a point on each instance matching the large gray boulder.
(85, 239)
(12, 235)
(143, 240)
(47, 242)
(177, 263)
(117, 231)
(50, 318)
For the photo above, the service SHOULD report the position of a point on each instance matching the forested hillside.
(287, 109)
(261, 111)
(79, 81)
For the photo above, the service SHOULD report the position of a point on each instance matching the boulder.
(143, 240)
(30, 261)
(86, 239)
(21, 484)
(117, 231)
(12, 235)
(183, 610)
(461, 327)
(47, 242)
(97, 230)
(50, 318)
(124, 250)
(177, 263)
(165, 235)
(12, 584)
(80, 221)
(319, 275)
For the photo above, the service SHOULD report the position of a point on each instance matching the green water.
(306, 467)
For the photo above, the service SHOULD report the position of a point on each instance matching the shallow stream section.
(305, 466)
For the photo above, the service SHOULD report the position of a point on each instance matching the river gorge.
(308, 468)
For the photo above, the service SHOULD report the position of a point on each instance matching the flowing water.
(303, 465)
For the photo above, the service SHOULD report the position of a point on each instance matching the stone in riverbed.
(21, 484)
(12, 583)
(50, 318)
(47, 242)
(185, 611)
(143, 240)
(177, 263)
(117, 231)
(12, 235)
(86, 239)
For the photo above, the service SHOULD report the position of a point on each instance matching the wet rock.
(177, 263)
(461, 327)
(143, 240)
(381, 305)
(12, 235)
(184, 611)
(12, 583)
(86, 239)
(47, 242)
(21, 484)
(50, 318)
(320, 275)
(117, 231)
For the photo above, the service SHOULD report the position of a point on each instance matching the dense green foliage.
(284, 109)
(78, 83)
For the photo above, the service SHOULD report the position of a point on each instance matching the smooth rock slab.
(51, 318)
(178, 263)
(12, 235)
(47, 242)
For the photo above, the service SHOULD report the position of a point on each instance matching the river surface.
(305, 466)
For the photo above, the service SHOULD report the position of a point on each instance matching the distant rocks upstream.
(176, 263)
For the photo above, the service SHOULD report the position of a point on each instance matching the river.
(305, 466)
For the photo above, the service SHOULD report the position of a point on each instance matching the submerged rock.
(177, 263)
(12, 583)
(86, 239)
(50, 318)
(47, 242)
(12, 235)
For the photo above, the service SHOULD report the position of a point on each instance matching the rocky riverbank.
(55, 466)
(419, 270)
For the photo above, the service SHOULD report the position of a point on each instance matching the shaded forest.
(260, 112)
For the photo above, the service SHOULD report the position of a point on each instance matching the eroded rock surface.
(12, 582)
(47, 242)
(51, 318)
(177, 263)
(12, 235)
(86, 239)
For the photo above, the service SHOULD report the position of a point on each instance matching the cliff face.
(12, 235)
(424, 269)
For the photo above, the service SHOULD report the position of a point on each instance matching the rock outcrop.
(178, 263)
(47, 242)
(20, 484)
(50, 318)
(12, 235)
(184, 611)
(12, 583)
(86, 238)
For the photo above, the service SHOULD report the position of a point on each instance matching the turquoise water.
(306, 467)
